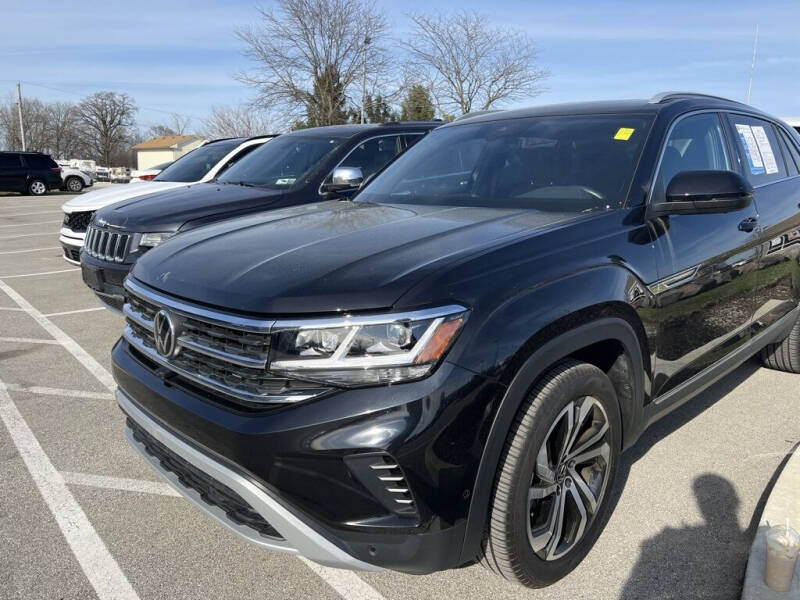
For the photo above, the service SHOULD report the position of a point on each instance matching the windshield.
(282, 162)
(563, 163)
(194, 166)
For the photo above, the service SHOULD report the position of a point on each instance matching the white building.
(165, 149)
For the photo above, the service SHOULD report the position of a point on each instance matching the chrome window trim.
(364, 141)
(300, 538)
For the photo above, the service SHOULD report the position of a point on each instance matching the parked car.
(31, 173)
(140, 175)
(301, 167)
(119, 175)
(74, 180)
(103, 174)
(446, 368)
(202, 164)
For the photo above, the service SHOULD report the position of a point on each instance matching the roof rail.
(390, 123)
(477, 113)
(664, 96)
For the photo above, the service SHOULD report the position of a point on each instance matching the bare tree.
(34, 119)
(107, 120)
(469, 64)
(236, 121)
(301, 46)
(62, 124)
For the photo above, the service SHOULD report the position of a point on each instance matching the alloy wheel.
(74, 185)
(570, 477)
(38, 188)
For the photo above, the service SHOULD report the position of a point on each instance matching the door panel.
(12, 173)
(777, 200)
(708, 266)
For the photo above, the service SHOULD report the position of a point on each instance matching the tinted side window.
(9, 161)
(696, 143)
(790, 152)
(411, 139)
(39, 161)
(759, 151)
(371, 155)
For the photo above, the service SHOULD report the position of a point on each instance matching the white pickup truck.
(200, 165)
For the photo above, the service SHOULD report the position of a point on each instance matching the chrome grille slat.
(225, 358)
(107, 245)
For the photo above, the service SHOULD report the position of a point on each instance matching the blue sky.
(180, 55)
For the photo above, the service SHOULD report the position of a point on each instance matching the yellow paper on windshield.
(624, 133)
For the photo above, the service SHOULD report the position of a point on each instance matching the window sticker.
(624, 133)
(765, 148)
(751, 149)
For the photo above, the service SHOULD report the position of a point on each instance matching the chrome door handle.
(749, 224)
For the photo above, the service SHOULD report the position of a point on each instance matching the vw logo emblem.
(166, 334)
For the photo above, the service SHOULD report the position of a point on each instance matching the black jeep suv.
(446, 368)
(302, 167)
(31, 173)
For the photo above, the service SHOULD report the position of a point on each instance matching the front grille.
(211, 491)
(78, 221)
(229, 360)
(107, 244)
(72, 253)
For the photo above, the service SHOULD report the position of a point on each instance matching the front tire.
(37, 187)
(74, 184)
(555, 477)
(785, 355)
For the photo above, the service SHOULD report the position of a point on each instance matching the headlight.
(154, 239)
(357, 351)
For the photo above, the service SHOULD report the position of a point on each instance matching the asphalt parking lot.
(82, 516)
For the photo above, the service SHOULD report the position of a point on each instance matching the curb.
(783, 503)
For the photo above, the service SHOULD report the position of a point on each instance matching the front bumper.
(71, 244)
(105, 279)
(302, 457)
(298, 537)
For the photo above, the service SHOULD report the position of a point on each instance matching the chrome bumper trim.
(300, 538)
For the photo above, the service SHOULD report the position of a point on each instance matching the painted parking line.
(100, 568)
(31, 224)
(24, 235)
(37, 274)
(346, 583)
(48, 391)
(75, 312)
(122, 484)
(21, 340)
(30, 250)
(71, 346)
(11, 308)
(28, 214)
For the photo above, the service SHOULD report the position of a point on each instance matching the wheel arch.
(598, 327)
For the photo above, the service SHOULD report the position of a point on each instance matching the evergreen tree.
(417, 105)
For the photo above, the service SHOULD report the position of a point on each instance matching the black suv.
(302, 167)
(31, 173)
(446, 368)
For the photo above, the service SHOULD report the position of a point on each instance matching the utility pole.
(19, 110)
(367, 41)
(752, 65)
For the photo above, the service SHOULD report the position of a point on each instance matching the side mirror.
(344, 179)
(704, 192)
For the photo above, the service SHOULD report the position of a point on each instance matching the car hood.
(330, 257)
(170, 210)
(106, 196)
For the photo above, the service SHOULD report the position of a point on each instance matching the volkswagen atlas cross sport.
(200, 165)
(445, 368)
(302, 167)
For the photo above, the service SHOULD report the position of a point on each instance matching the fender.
(535, 366)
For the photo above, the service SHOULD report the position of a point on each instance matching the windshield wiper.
(242, 183)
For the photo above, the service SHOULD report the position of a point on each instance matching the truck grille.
(106, 244)
(78, 221)
(211, 491)
(227, 359)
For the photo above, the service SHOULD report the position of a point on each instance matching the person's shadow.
(696, 561)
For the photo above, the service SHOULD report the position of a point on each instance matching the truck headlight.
(154, 239)
(358, 351)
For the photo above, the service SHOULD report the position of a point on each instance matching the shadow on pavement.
(696, 561)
